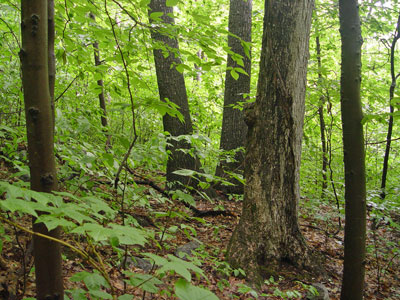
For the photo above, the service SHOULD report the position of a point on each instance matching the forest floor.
(214, 234)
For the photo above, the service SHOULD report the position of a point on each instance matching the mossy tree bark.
(39, 123)
(171, 86)
(234, 129)
(353, 148)
(268, 235)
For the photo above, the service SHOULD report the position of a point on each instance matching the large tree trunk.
(171, 86)
(268, 234)
(234, 129)
(353, 148)
(39, 123)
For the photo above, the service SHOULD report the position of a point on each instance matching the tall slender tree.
(102, 101)
(353, 148)
(171, 87)
(394, 77)
(39, 123)
(234, 129)
(322, 126)
(268, 235)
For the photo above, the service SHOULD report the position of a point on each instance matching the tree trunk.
(234, 129)
(39, 123)
(391, 121)
(102, 101)
(52, 56)
(171, 86)
(353, 148)
(268, 235)
(322, 123)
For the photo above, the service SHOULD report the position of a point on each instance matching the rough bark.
(234, 129)
(391, 120)
(353, 148)
(39, 123)
(268, 237)
(322, 123)
(102, 101)
(171, 86)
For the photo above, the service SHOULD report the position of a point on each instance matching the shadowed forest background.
(129, 130)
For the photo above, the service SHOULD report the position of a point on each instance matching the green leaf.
(72, 211)
(125, 297)
(128, 235)
(52, 222)
(177, 268)
(144, 3)
(186, 291)
(78, 294)
(240, 70)
(95, 231)
(172, 2)
(146, 282)
(19, 205)
(180, 267)
(156, 16)
(184, 172)
(158, 260)
(93, 281)
(98, 205)
(180, 68)
(185, 197)
(100, 294)
(246, 48)
(234, 74)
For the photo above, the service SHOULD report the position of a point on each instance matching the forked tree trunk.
(171, 86)
(353, 148)
(234, 129)
(39, 123)
(268, 236)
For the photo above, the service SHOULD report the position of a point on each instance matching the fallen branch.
(196, 212)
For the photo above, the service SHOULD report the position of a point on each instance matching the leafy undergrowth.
(169, 225)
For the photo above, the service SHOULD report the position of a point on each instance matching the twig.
(11, 31)
(66, 89)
